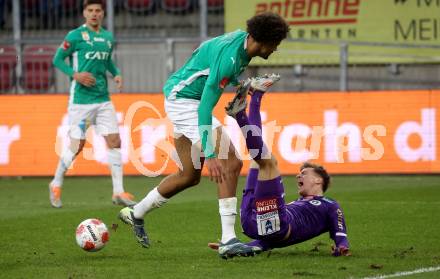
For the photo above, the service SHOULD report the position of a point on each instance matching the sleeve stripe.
(341, 234)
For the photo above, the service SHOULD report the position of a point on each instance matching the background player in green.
(191, 95)
(89, 49)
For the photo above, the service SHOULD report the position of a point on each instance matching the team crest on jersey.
(315, 202)
(85, 36)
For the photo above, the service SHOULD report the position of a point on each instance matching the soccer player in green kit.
(191, 94)
(89, 49)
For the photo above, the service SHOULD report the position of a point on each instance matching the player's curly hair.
(91, 2)
(319, 170)
(267, 27)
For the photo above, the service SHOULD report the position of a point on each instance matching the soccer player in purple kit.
(265, 217)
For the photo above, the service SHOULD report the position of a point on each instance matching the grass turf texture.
(393, 225)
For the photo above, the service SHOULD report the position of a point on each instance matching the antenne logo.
(313, 12)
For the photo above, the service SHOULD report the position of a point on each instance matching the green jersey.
(88, 51)
(215, 64)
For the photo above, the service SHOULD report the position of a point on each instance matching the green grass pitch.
(393, 226)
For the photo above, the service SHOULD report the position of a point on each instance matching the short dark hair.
(319, 170)
(268, 27)
(91, 2)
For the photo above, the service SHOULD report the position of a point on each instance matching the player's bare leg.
(172, 184)
(69, 154)
(119, 197)
(190, 173)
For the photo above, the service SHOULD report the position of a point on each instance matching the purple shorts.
(263, 210)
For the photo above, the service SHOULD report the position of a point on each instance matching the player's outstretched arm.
(338, 231)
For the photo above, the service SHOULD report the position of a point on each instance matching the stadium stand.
(140, 6)
(180, 7)
(38, 71)
(40, 14)
(161, 34)
(8, 62)
(2, 13)
(215, 6)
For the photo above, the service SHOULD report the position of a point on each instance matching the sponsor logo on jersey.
(85, 36)
(97, 55)
(315, 202)
(340, 219)
(328, 200)
(223, 83)
(264, 206)
(97, 39)
(65, 45)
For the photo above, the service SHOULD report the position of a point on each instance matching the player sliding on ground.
(265, 216)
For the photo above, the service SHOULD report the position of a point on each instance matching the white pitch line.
(406, 273)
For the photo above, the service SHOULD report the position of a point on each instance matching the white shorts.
(102, 116)
(183, 113)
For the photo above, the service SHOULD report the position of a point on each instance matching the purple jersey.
(267, 218)
(309, 218)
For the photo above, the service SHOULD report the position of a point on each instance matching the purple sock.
(252, 135)
(254, 108)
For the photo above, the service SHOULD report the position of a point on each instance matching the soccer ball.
(92, 235)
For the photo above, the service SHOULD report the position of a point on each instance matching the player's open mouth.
(300, 183)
